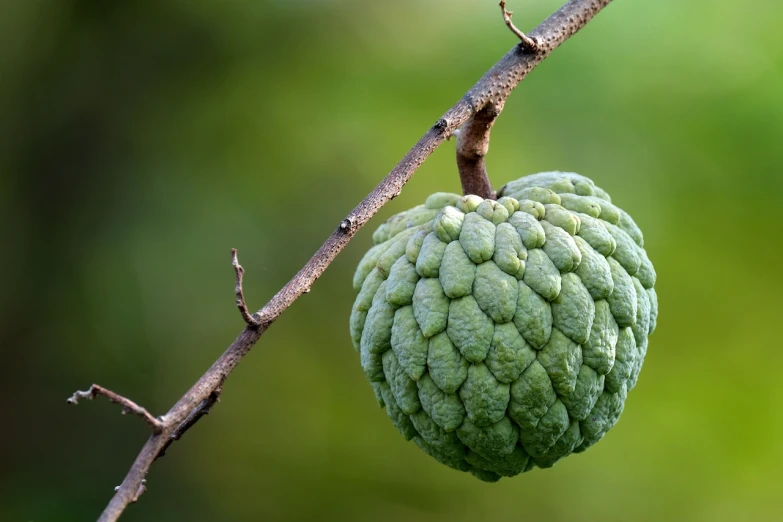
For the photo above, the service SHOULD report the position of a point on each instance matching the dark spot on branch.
(347, 224)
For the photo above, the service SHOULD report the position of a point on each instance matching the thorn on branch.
(527, 42)
(139, 492)
(246, 315)
(128, 406)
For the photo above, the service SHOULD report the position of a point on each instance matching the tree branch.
(479, 107)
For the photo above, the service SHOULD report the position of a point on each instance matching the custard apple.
(503, 335)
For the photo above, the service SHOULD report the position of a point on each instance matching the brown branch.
(472, 146)
(128, 406)
(490, 91)
(527, 42)
(246, 315)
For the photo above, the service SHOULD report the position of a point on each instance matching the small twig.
(128, 406)
(527, 41)
(246, 315)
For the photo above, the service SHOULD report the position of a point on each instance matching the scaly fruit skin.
(504, 335)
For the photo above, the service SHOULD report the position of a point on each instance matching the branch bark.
(477, 110)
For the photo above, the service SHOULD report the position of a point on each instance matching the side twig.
(246, 315)
(128, 406)
(487, 97)
(528, 42)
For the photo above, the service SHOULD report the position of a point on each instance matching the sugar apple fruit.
(501, 335)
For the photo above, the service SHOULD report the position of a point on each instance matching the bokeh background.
(140, 141)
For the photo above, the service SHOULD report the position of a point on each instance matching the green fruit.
(504, 335)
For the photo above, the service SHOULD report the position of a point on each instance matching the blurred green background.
(140, 141)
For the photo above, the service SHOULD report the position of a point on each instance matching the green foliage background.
(140, 141)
